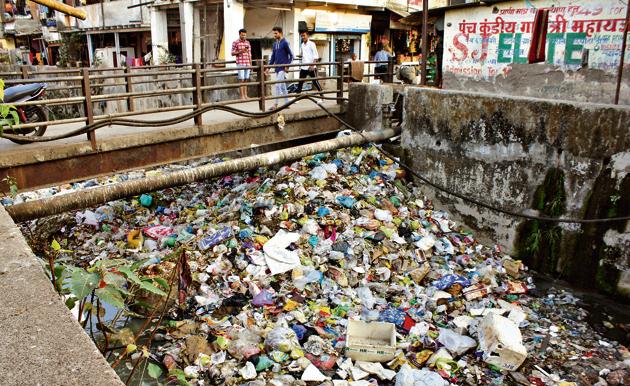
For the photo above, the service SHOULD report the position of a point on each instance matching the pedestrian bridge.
(103, 120)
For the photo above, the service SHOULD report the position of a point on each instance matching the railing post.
(197, 93)
(24, 72)
(261, 84)
(129, 89)
(339, 82)
(87, 105)
(390, 69)
(204, 81)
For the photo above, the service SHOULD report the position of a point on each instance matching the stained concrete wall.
(560, 159)
(370, 98)
(42, 343)
(546, 81)
(108, 14)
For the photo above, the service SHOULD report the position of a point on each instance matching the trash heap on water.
(334, 270)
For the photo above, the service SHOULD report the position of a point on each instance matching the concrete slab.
(42, 343)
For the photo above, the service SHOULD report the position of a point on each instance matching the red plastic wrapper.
(323, 362)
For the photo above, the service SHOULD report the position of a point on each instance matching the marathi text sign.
(482, 42)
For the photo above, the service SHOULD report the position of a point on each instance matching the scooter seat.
(20, 91)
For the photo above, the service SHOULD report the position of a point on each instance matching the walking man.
(309, 56)
(242, 50)
(281, 54)
(382, 56)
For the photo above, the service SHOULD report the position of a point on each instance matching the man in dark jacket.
(281, 54)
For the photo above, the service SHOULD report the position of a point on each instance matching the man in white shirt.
(309, 56)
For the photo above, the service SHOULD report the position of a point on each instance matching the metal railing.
(86, 87)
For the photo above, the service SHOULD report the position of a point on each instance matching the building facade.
(27, 33)
(339, 28)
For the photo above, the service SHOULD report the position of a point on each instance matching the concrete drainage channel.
(53, 348)
(439, 117)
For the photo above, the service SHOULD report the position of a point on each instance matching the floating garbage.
(332, 270)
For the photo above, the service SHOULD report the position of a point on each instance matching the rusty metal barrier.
(89, 83)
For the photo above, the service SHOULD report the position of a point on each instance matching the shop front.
(403, 39)
(344, 35)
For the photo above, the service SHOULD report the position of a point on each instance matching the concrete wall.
(370, 99)
(233, 19)
(486, 47)
(551, 158)
(159, 35)
(260, 21)
(115, 13)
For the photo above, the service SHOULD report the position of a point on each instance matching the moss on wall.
(538, 242)
(592, 257)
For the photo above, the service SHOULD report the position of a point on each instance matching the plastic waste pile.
(335, 270)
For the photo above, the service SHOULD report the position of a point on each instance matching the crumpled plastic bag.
(310, 226)
(88, 218)
(282, 339)
(367, 299)
(411, 377)
(319, 173)
(456, 343)
(263, 298)
(346, 201)
(244, 344)
(383, 215)
(278, 257)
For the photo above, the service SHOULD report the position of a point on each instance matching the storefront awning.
(415, 18)
(342, 22)
(120, 29)
(398, 11)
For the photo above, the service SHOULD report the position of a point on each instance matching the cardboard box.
(476, 291)
(371, 342)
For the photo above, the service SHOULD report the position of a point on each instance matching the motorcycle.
(27, 114)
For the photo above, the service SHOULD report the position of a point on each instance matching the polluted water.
(331, 270)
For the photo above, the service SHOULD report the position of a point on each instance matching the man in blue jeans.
(281, 54)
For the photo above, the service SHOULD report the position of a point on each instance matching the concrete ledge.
(42, 343)
(583, 129)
